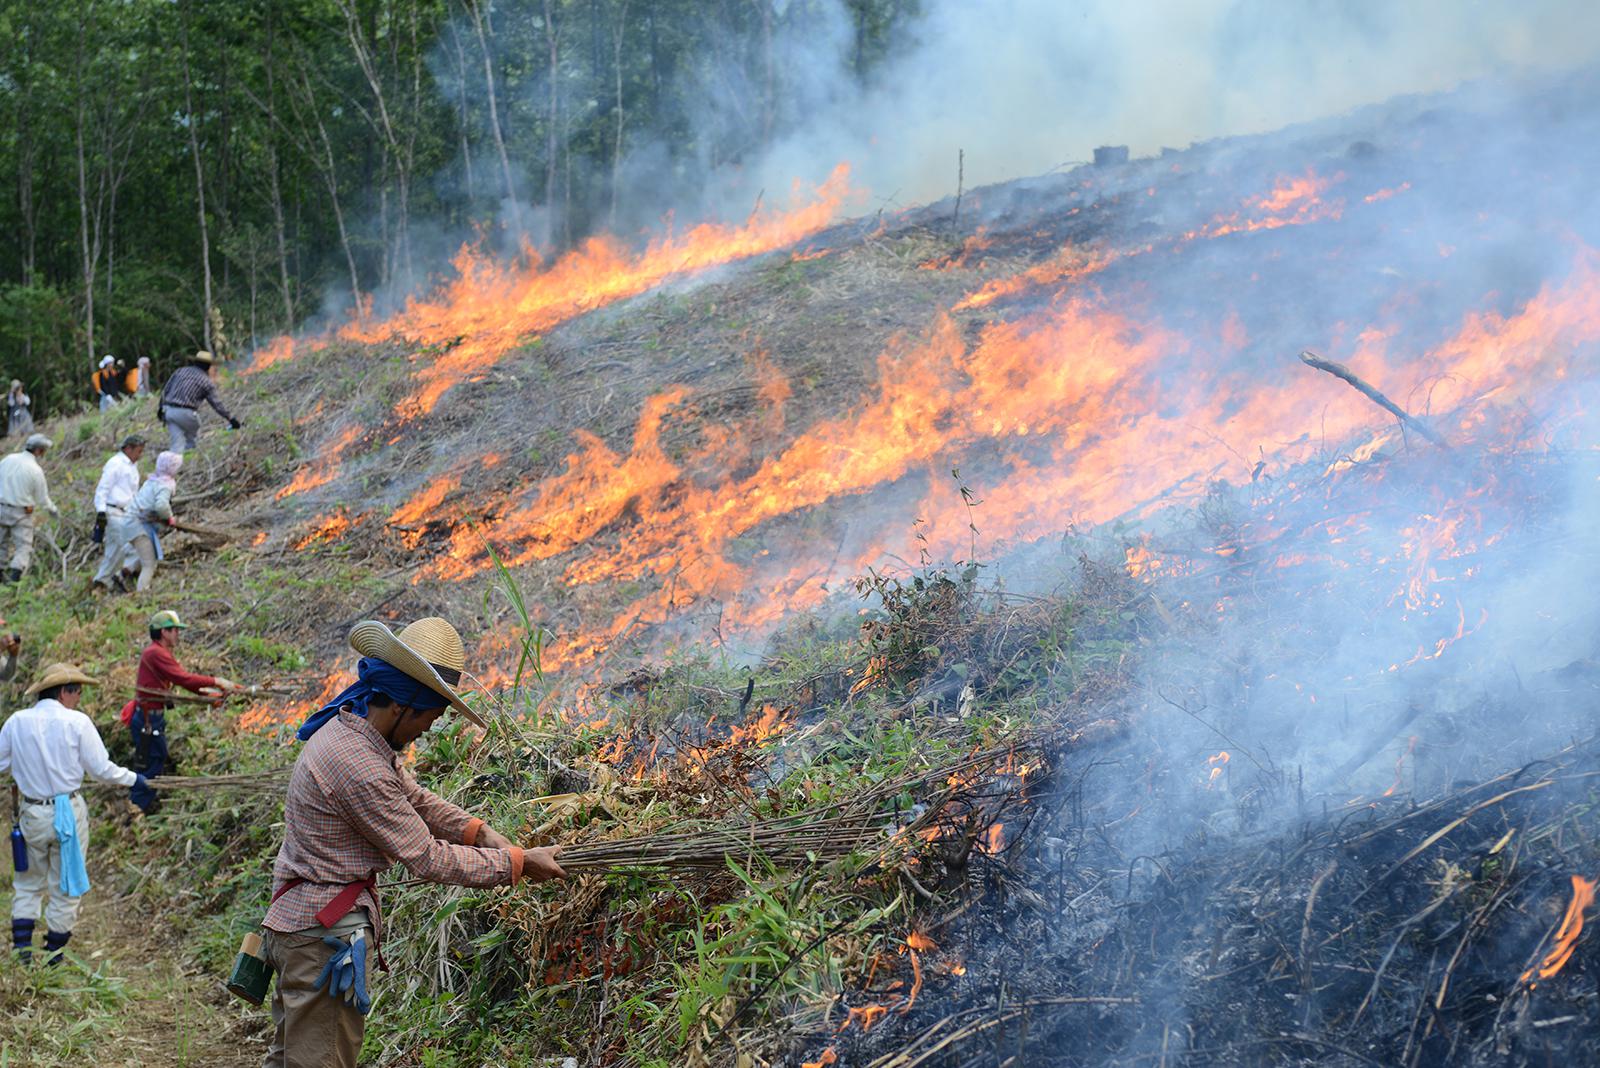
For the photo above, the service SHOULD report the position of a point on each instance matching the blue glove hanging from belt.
(345, 974)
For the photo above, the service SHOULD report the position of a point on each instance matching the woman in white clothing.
(153, 506)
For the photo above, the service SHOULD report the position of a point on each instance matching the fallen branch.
(1339, 370)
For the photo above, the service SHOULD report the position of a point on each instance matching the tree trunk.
(618, 32)
(88, 260)
(273, 180)
(553, 108)
(25, 205)
(199, 180)
(461, 105)
(485, 32)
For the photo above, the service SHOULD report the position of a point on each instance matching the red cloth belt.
(340, 906)
(342, 903)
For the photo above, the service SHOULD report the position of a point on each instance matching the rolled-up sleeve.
(379, 808)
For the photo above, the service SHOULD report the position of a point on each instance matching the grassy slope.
(516, 975)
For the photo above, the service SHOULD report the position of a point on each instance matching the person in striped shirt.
(351, 812)
(181, 397)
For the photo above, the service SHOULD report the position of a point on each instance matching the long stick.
(205, 532)
(1339, 370)
(178, 698)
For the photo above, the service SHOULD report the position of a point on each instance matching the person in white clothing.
(114, 521)
(48, 749)
(23, 491)
(152, 512)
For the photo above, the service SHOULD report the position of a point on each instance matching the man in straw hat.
(48, 749)
(351, 812)
(181, 397)
(23, 491)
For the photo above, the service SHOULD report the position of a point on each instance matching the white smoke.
(1024, 86)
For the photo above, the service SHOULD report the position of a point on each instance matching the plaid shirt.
(188, 387)
(352, 812)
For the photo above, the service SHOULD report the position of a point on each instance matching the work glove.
(235, 424)
(99, 534)
(144, 795)
(345, 974)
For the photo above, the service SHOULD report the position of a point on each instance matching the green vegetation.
(642, 967)
(195, 174)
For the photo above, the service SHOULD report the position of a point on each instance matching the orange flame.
(326, 529)
(324, 469)
(1217, 764)
(274, 351)
(771, 723)
(828, 1057)
(489, 309)
(867, 1015)
(1566, 939)
(1399, 766)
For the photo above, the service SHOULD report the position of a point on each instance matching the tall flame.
(1566, 939)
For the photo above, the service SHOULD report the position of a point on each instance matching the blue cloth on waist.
(155, 536)
(74, 872)
(374, 676)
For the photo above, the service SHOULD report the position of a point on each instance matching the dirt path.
(132, 1004)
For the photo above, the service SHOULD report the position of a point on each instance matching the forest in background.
(271, 159)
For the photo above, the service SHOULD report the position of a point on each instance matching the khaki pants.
(311, 1029)
(145, 553)
(43, 878)
(16, 528)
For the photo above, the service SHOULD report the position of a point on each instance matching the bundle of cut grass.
(264, 781)
(787, 841)
(871, 819)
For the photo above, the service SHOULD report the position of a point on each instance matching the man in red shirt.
(160, 675)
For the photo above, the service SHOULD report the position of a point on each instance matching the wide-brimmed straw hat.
(428, 650)
(59, 674)
(203, 357)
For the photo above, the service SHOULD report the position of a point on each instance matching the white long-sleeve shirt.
(119, 481)
(22, 483)
(49, 748)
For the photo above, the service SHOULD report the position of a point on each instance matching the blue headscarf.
(374, 676)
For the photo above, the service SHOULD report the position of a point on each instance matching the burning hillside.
(1275, 705)
(1111, 338)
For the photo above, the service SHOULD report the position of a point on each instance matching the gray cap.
(37, 441)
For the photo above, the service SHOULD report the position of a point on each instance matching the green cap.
(167, 619)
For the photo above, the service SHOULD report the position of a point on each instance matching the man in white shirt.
(48, 749)
(23, 491)
(115, 523)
